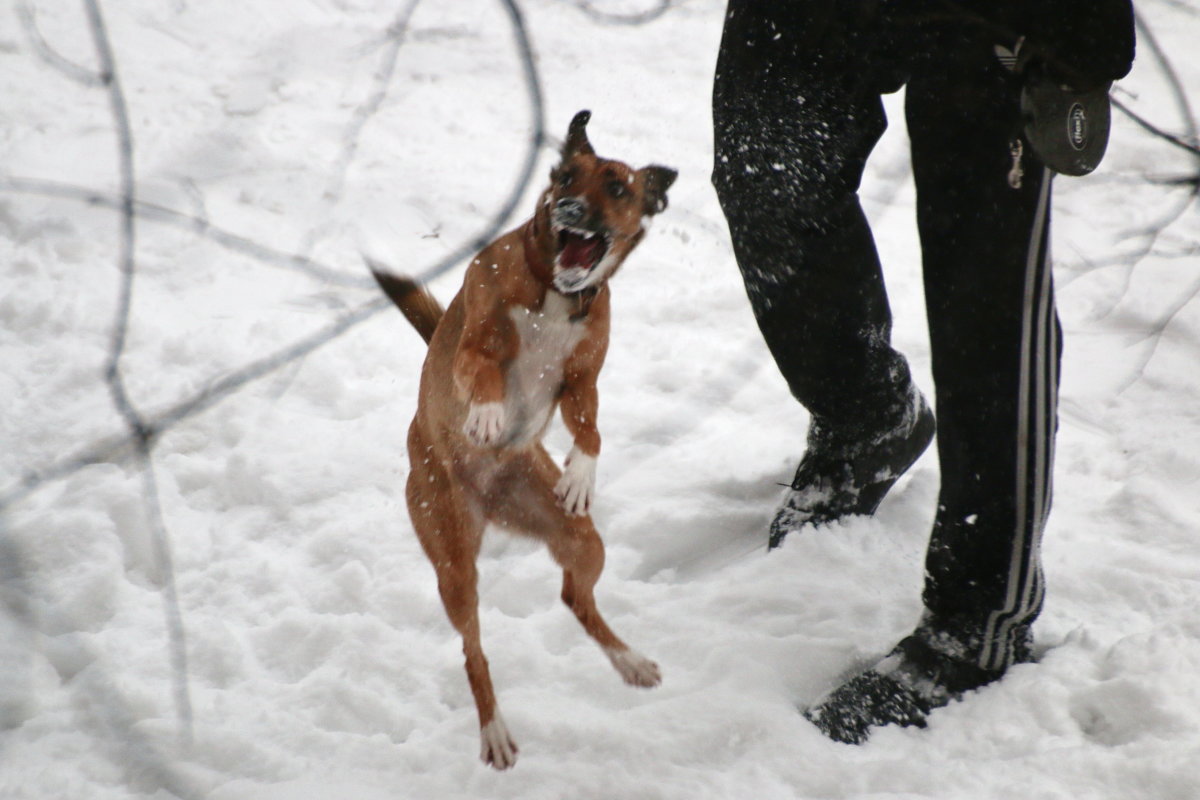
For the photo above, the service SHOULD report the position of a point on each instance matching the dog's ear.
(577, 142)
(656, 180)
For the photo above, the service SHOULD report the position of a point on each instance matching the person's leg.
(996, 346)
(796, 112)
(995, 343)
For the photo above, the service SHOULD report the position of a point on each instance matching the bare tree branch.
(197, 224)
(608, 18)
(1155, 333)
(76, 72)
(120, 396)
(1151, 235)
(362, 115)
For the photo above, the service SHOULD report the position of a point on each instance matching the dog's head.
(595, 210)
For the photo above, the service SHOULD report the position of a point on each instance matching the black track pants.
(797, 111)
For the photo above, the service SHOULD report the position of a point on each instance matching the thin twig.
(107, 707)
(143, 435)
(1148, 39)
(1150, 127)
(76, 72)
(362, 115)
(119, 448)
(1156, 331)
(197, 224)
(637, 18)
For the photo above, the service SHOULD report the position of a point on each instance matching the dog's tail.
(417, 305)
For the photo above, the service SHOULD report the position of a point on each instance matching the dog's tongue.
(581, 252)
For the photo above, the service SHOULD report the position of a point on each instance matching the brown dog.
(527, 332)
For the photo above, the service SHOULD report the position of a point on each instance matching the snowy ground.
(320, 663)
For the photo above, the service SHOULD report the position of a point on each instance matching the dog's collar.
(583, 302)
(538, 265)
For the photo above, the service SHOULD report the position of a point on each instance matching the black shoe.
(902, 689)
(843, 475)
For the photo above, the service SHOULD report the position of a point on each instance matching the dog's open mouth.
(579, 253)
(580, 249)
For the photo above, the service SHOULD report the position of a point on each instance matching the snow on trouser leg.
(920, 674)
(842, 476)
(787, 174)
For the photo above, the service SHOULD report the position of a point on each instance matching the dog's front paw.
(485, 423)
(578, 483)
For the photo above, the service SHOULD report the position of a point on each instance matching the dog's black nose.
(569, 211)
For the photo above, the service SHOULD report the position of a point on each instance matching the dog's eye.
(617, 189)
(565, 178)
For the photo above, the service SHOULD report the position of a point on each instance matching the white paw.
(577, 485)
(485, 423)
(498, 748)
(635, 668)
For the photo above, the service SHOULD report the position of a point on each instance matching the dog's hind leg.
(450, 533)
(523, 500)
(581, 555)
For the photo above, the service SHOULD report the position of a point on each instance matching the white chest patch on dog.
(534, 378)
